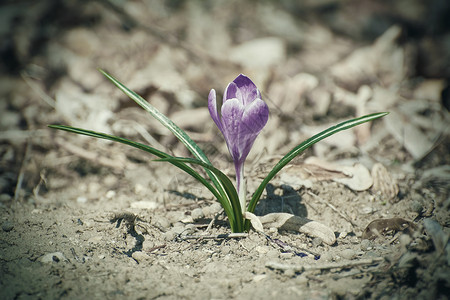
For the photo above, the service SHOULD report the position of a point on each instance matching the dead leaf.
(256, 223)
(383, 182)
(285, 221)
(356, 177)
(407, 134)
(381, 227)
(382, 59)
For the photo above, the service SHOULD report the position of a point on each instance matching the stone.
(53, 257)
(7, 226)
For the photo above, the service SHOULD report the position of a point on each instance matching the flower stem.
(241, 187)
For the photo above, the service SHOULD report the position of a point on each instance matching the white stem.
(242, 193)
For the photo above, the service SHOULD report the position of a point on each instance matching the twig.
(37, 188)
(156, 248)
(303, 268)
(333, 208)
(214, 236)
(22, 170)
(291, 249)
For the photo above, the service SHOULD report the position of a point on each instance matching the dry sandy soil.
(89, 219)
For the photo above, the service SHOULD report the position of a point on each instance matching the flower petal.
(253, 120)
(232, 111)
(247, 90)
(230, 91)
(212, 106)
(255, 117)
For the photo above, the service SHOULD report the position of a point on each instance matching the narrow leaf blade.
(305, 145)
(228, 185)
(177, 131)
(146, 148)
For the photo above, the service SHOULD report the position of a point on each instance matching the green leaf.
(305, 145)
(177, 131)
(228, 185)
(146, 148)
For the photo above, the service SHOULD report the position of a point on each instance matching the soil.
(89, 219)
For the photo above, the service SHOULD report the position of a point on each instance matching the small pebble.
(139, 189)
(109, 180)
(82, 199)
(175, 216)
(140, 256)
(317, 242)
(161, 222)
(259, 277)
(5, 198)
(262, 249)
(7, 226)
(404, 240)
(343, 235)
(348, 254)
(366, 245)
(178, 228)
(225, 250)
(110, 194)
(94, 187)
(189, 229)
(187, 219)
(289, 273)
(169, 235)
(286, 255)
(197, 214)
(207, 211)
(273, 230)
(89, 223)
(144, 204)
(372, 254)
(417, 206)
(302, 280)
(326, 256)
(215, 208)
(147, 245)
(272, 253)
(53, 257)
(95, 239)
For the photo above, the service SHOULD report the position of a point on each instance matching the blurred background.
(316, 63)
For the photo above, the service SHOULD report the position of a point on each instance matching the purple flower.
(243, 116)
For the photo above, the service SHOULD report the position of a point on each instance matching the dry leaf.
(407, 134)
(357, 177)
(285, 221)
(381, 227)
(383, 182)
(256, 223)
(382, 59)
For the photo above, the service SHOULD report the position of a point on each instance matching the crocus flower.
(243, 116)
